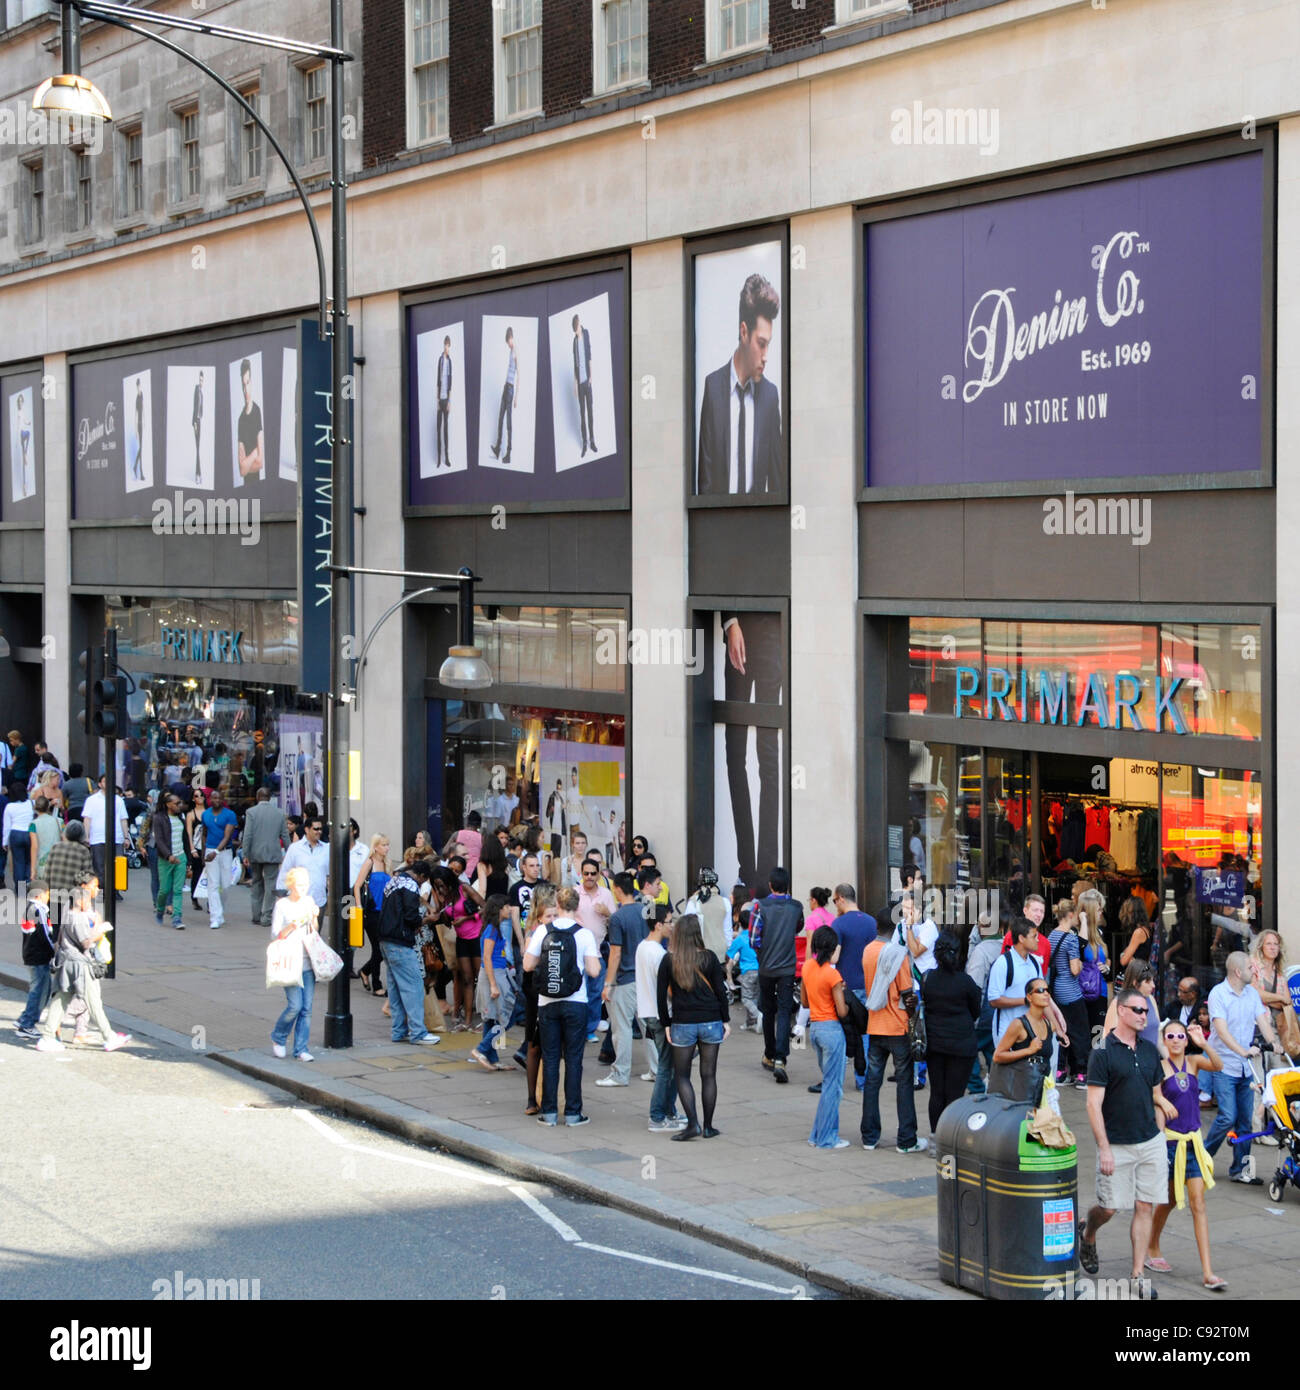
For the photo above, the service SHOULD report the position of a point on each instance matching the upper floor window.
(316, 136)
(34, 200)
(519, 58)
(249, 159)
(620, 31)
(851, 11)
(130, 171)
(736, 25)
(426, 64)
(190, 183)
(85, 190)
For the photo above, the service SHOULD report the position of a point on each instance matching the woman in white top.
(18, 817)
(296, 914)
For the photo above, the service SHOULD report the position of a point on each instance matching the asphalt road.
(126, 1175)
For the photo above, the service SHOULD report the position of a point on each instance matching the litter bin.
(1007, 1204)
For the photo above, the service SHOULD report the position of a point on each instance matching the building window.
(132, 148)
(427, 63)
(620, 31)
(190, 180)
(854, 11)
(314, 103)
(34, 199)
(736, 25)
(250, 139)
(519, 58)
(85, 204)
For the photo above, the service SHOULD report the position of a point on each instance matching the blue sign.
(1221, 887)
(1060, 697)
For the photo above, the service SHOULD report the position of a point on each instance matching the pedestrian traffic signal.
(91, 663)
(108, 694)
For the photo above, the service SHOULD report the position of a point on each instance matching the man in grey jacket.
(266, 833)
(774, 924)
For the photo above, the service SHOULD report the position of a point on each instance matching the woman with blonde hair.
(296, 915)
(1138, 975)
(366, 889)
(1096, 963)
(1268, 974)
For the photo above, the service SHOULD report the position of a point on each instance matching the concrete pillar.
(381, 489)
(824, 650)
(57, 620)
(659, 570)
(1286, 653)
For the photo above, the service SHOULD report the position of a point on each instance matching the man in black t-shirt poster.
(1127, 1112)
(251, 455)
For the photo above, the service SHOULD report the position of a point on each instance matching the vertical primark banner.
(315, 501)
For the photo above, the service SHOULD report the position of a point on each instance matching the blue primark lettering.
(998, 695)
(968, 684)
(1165, 705)
(1094, 699)
(1024, 694)
(1124, 679)
(1053, 698)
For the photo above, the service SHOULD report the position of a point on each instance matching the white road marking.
(544, 1213)
(553, 1221)
(792, 1292)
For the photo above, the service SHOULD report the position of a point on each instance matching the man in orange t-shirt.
(887, 1037)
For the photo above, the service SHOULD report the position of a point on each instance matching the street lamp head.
(465, 669)
(70, 94)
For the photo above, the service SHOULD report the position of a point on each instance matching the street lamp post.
(71, 94)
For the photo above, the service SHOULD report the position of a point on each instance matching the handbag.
(201, 888)
(325, 960)
(1288, 1030)
(284, 962)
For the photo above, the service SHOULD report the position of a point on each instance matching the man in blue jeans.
(886, 974)
(399, 920)
(562, 1019)
(773, 926)
(856, 931)
(1236, 1011)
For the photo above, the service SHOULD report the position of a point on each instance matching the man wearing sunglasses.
(595, 907)
(1127, 1112)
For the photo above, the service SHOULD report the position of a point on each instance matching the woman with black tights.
(692, 978)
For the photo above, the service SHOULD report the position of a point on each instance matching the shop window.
(944, 834)
(1220, 672)
(936, 648)
(568, 648)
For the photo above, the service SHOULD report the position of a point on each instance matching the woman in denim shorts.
(692, 979)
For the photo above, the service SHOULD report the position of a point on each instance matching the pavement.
(859, 1223)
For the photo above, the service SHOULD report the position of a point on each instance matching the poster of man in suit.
(137, 413)
(748, 668)
(582, 383)
(191, 434)
(739, 373)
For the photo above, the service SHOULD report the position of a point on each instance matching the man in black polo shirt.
(1127, 1112)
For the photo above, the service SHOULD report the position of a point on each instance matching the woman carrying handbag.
(294, 919)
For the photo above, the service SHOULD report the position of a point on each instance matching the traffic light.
(108, 702)
(91, 662)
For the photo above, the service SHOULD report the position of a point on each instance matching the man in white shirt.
(1236, 1013)
(663, 1099)
(574, 806)
(92, 817)
(562, 1018)
(1008, 976)
(594, 907)
(313, 854)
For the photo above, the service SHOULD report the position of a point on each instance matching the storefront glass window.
(944, 838)
(571, 648)
(1220, 670)
(936, 648)
(562, 769)
(1010, 822)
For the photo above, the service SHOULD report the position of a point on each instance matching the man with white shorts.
(1127, 1112)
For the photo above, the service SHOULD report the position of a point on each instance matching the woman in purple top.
(1190, 1167)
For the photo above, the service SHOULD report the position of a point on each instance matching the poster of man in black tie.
(739, 384)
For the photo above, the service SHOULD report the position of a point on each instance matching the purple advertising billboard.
(164, 433)
(519, 395)
(1107, 330)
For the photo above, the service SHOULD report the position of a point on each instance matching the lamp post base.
(338, 1030)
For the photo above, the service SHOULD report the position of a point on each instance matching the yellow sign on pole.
(354, 780)
(119, 873)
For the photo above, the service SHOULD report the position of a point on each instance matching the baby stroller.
(1281, 1094)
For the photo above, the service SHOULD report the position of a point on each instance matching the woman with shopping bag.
(289, 958)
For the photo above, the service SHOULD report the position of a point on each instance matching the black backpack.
(558, 974)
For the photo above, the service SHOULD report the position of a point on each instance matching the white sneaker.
(647, 1076)
(49, 1045)
(429, 1040)
(610, 1080)
(304, 1057)
(277, 1050)
(603, 1026)
(116, 1041)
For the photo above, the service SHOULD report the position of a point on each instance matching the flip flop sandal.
(1215, 1285)
(532, 1109)
(1160, 1265)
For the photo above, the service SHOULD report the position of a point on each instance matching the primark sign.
(218, 645)
(1094, 698)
